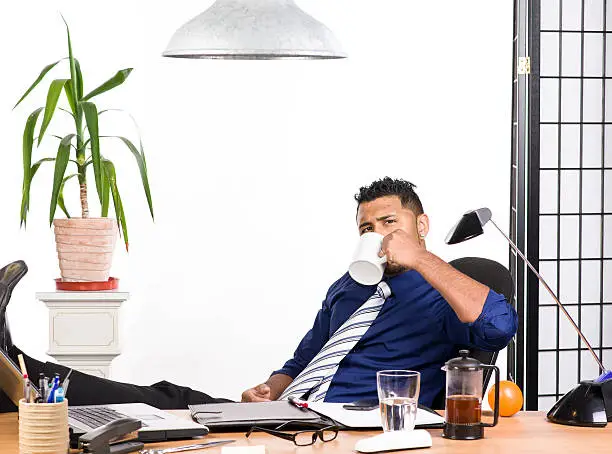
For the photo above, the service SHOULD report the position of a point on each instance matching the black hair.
(389, 186)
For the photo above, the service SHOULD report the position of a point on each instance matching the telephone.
(112, 438)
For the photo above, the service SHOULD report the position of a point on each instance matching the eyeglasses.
(303, 437)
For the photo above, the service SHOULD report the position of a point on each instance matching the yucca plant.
(80, 148)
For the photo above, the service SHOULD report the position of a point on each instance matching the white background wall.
(253, 167)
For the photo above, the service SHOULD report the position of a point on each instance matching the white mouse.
(393, 441)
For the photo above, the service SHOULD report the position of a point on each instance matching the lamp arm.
(554, 297)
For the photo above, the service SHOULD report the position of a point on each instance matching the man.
(432, 310)
(427, 309)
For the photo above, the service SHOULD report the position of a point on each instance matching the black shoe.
(10, 275)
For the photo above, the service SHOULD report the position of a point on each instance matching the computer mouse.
(395, 441)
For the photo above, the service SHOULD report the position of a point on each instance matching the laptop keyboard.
(95, 417)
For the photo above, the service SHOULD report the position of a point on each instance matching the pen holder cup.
(43, 428)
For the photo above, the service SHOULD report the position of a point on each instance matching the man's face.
(386, 214)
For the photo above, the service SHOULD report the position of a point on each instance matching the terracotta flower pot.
(85, 248)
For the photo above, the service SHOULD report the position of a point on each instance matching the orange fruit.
(510, 398)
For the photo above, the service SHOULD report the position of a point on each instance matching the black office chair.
(10, 275)
(497, 277)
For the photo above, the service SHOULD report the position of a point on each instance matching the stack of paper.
(367, 419)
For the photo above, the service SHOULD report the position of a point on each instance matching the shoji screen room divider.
(562, 191)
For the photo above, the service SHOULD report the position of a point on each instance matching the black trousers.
(87, 389)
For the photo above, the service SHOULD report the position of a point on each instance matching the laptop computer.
(157, 425)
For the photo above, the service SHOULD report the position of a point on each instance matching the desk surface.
(525, 432)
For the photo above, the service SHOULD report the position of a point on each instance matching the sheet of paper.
(362, 419)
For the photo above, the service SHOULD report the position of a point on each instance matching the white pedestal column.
(84, 329)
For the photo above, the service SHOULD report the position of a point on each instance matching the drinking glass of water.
(398, 394)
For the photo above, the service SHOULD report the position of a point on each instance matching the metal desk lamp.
(589, 403)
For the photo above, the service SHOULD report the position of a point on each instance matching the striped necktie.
(318, 374)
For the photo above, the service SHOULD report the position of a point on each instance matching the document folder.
(242, 416)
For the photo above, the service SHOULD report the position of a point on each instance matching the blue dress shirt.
(416, 329)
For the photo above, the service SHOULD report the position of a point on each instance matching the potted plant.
(85, 245)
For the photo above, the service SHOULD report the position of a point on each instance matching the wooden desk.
(526, 432)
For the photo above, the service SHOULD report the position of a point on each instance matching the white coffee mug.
(367, 267)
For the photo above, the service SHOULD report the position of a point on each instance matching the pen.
(68, 375)
(26, 388)
(66, 382)
(41, 385)
(45, 389)
(22, 365)
(53, 389)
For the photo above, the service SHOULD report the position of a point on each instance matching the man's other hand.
(260, 393)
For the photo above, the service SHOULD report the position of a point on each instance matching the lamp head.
(469, 226)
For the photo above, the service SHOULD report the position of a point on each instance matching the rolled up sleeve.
(491, 331)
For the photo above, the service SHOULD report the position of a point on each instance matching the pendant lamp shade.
(254, 30)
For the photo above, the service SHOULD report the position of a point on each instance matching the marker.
(59, 395)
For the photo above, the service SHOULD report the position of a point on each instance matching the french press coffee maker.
(464, 398)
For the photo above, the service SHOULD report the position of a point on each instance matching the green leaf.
(139, 155)
(69, 95)
(37, 164)
(40, 77)
(105, 191)
(142, 166)
(28, 142)
(144, 161)
(91, 117)
(25, 201)
(52, 96)
(73, 69)
(60, 138)
(67, 111)
(111, 83)
(79, 74)
(109, 172)
(60, 198)
(84, 146)
(61, 161)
